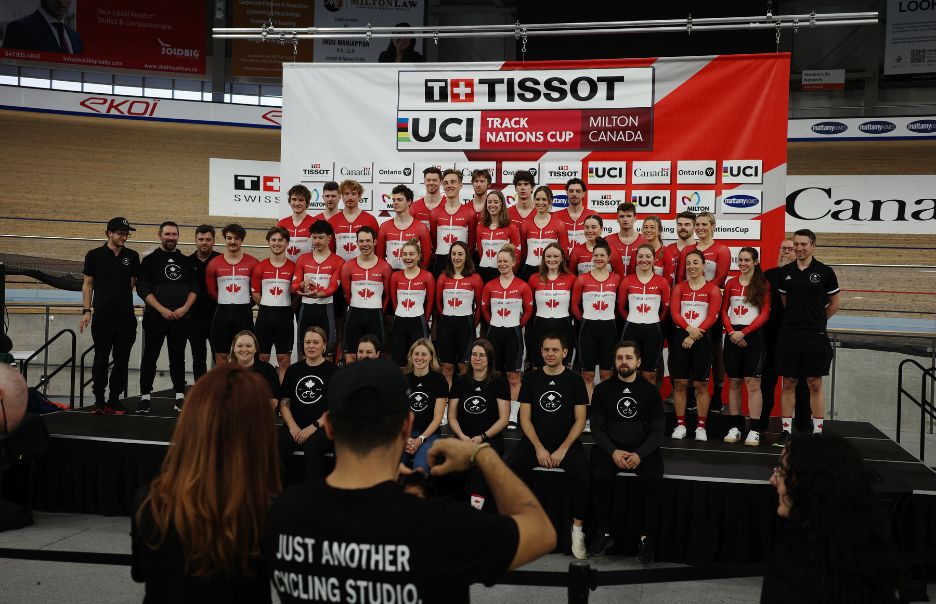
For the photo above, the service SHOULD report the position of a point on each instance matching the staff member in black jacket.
(203, 310)
(169, 286)
(627, 424)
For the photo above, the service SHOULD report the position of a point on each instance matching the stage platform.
(718, 505)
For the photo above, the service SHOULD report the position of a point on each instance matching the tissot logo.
(250, 182)
(459, 90)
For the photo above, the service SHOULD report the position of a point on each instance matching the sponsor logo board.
(741, 201)
(697, 172)
(607, 173)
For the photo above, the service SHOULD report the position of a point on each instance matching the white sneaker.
(753, 438)
(679, 433)
(700, 434)
(578, 545)
(587, 426)
(733, 436)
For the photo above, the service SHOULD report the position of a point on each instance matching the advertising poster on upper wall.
(361, 13)
(659, 133)
(264, 59)
(168, 35)
(910, 37)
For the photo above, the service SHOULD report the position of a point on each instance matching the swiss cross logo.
(255, 182)
(643, 308)
(350, 247)
(456, 90)
(461, 90)
(366, 293)
(276, 290)
(552, 303)
(691, 315)
(407, 303)
(233, 288)
(600, 305)
(454, 302)
(450, 238)
(503, 312)
(292, 251)
(740, 310)
(271, 183)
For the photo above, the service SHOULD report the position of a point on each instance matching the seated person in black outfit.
(552, 417)
(368, 347)
(357, 537)
(197, 527)
(428, 397)
(627, 424)
(244, 349)
(836, 547)
(302, 403)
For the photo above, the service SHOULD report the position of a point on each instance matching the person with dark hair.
(423, 207)
(523, 183)
(625, 242)
(271, 290)
(573, 217)
(317, 281)
(580, 260)
(44, 30)
(428, 398)
(197, 527)
(366, 283)
(368, 347)
(244, 353)
(480, 183)
(836, 546)
(450, 221)
(330, 199)
(745, 308)
(627, 423)
(302, 403)
(810, 293)
(393, 234)
(552, 417)
(552, 296)
(350, 220)
(643, 302)
(594, 300)
(110, 274)
(228, 282)
(479, 410)
(412, 299)
(202, 311)
(458, 310)
(694, 308)
(400, 50)
(297, 225)
(494, 230)
(169, 286)
(540, 229)
(427, 550)
(685, 229)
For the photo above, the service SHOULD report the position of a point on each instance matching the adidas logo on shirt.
(627, 390)
(552, 383)
(478, 389)
(787, 278)
(172, 261)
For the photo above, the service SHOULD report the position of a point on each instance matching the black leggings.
(157, 330)
(522, 460)
(406, 330)
(603, 479)
(314, 448)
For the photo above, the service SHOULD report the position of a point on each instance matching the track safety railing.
(47, 376)
(924, 402)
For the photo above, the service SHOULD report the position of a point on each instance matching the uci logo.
(550, 401)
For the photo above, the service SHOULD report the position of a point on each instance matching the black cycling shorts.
(693, 364)
(508, 347)
(454, 338)
(747, 361)
(275, 328)
(228, 321)
(596, 340)
(649, 338)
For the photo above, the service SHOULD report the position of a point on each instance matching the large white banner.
(244, 188)
(910, 37)
(897, 204)
(361, 13)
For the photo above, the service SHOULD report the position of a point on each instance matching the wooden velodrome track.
(66, 175)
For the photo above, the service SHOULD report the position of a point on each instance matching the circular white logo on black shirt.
(475, 405)
(309, 390)
(418, 401)
(627, 407)
(814, 277)
(173, 272)
(125, 261)
(550, 401)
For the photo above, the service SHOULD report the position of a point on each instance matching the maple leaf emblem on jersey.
(643, 308)
(740, 310)
(490, 253)
(233, 288)
(600, 305)
(292, 250)
(450, 238)
(396, 253)
(407, 303)
(366, 293)
(504, 312)
(454, 302)
(276, 290)
(552, 303)
(538, 252)
(691, 315)
(350, 247)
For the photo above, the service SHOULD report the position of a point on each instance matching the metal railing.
(925, 402)
(46, 376)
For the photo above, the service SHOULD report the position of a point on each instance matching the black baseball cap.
(390, 390)
(119, 223)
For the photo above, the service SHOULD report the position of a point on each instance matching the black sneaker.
(115, 408)
(143, 407)
(601, 543)
(783, 440)
(98, 409)
(645, 551)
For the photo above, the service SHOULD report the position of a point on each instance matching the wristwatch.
(86, 310)
(422, 439)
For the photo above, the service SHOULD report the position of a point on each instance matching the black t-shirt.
(112, 274)
(205, 305)
(627, 416)
(552, 399)
(163, 571)
(366, 545)
(305, 387)
(169, 276)
(477, 403)
(423, 394)
(269, 374)
(807, 294)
